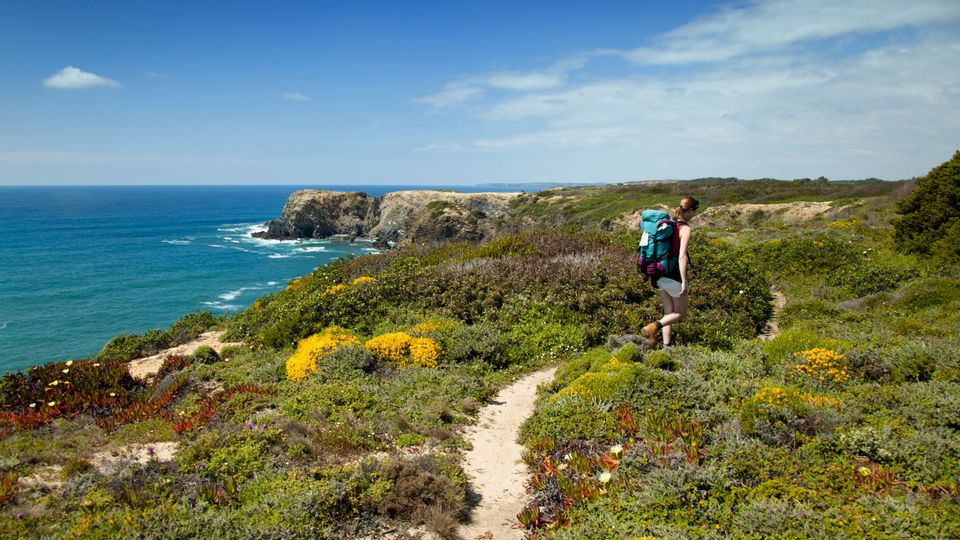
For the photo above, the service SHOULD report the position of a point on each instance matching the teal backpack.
(659, 250)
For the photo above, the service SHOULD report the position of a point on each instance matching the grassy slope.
(741, 443)
(364, 442)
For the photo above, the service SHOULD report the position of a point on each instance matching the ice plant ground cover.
(842, 426)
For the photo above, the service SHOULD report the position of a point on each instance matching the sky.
(466, 92)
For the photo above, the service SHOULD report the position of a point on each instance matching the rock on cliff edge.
(315, 213)
(414, 216)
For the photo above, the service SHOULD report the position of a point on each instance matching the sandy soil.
(739, 215)
(773, 325)
(104, 460)
(142, 368)
(497, 474)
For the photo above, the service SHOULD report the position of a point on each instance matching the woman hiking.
(673, 286)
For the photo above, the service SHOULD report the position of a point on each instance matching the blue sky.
(357, 92)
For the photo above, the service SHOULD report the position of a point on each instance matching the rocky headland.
(400, 217)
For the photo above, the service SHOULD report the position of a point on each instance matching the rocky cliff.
(400, 217)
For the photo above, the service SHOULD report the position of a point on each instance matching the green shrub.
(794, 313)
(805, 254)
(205, 355)
(789, 342)
(660, 360)
(121, 349)
(930, 210)
(541, 332)
(477, 343)
(348, 362)
(914, 362)
(603, 383)
(410, 439)
(863, 278)
(783, 416)
(569, 417)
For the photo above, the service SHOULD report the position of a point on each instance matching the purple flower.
(20, 515)
(202, 464)
(249, 425)
(151, 450)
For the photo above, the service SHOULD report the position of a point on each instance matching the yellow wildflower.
(334, 289)
(823, 365)
(310, 350)
(404, 349)
(363, 279)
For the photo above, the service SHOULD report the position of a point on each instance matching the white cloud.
(72, 78)
(468, 89)
(770, 26)
(890, 109)
(295, 96)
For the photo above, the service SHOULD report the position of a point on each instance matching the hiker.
(673, 286)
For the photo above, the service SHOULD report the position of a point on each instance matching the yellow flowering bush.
(394, 346)
(334, 289)
(823, 365)
(295, 284)
(404, 349)
(363, 279)
(312, 349)
(771, 396)
(424, 352)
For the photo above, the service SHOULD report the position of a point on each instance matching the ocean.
(80, 265)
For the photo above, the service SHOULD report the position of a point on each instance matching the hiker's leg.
(676, 310)
(667, 310)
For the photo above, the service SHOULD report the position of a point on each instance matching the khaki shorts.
(671, 286)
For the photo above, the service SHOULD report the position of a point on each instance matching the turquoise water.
(80, 265)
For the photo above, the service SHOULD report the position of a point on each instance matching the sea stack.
(414, 216)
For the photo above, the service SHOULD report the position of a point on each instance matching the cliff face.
(314, 213)
(400, 217)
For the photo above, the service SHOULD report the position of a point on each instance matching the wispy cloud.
(752, 86)
(71, 78)
(466, 89)
(295, 96)
(775, 25)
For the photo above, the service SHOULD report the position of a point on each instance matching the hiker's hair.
(686, 203)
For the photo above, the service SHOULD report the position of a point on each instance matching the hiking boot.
(650, 333)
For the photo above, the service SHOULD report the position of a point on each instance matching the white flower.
(69, 363)
(605, 477)
(616, 449)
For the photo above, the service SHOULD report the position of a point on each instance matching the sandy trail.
(141, 368)
(494, 466)
(773, 325)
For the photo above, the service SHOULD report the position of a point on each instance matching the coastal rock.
(413, 216)
(315, 213)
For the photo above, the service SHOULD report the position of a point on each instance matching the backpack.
(659, 251)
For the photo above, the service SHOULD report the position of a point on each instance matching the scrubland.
(340, 414)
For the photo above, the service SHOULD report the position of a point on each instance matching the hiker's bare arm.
(684, 240)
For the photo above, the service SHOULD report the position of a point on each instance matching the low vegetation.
(340, 416)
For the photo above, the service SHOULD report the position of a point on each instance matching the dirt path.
(497, 474)
(773, 325)
(142, 368)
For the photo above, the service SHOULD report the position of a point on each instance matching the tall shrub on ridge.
(931, 212)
